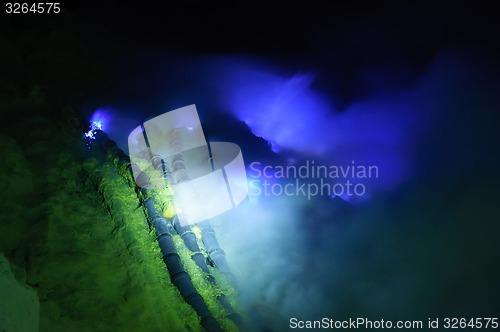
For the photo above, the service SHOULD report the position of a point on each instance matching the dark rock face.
(16, 295)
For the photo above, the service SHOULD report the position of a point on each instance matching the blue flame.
(293, 117)
(97, 125)
(97, 122)
(94, 126)
(100, 119)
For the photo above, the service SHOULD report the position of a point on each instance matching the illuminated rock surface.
(90, 257)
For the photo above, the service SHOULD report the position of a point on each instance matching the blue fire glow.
(97, 122)
(100, 119)
(94, 126)
(298, 121)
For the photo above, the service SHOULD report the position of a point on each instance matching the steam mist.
(398, 254)
(392, 256)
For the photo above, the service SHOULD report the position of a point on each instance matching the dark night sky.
(295, 29)
(388, 31)
(336, 39)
